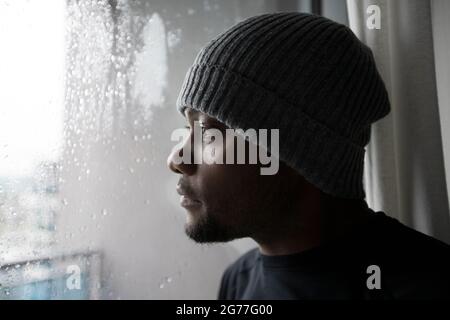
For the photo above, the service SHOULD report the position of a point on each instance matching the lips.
(187, 196)
(188, 202)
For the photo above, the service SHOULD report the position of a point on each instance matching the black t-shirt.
(383, 259)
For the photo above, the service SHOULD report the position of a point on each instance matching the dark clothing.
(411, 265)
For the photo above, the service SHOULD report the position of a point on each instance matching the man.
(312, 80)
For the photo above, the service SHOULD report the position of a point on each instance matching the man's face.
(231, 201)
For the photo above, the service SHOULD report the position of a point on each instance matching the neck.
(312, 226)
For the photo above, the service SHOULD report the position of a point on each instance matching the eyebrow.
(215, 121)
(190, 112)
(194, 115)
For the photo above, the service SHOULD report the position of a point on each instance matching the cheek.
(229, 188)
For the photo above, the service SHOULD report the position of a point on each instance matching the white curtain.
(405, 168)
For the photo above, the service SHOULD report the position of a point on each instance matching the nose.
(179, 162)
(177, 153)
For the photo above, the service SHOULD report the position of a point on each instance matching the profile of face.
(231, 201)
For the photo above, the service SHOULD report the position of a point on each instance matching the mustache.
(185, 189)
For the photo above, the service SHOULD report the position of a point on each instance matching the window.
(88, 208)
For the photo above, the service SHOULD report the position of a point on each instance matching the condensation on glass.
(88, 209)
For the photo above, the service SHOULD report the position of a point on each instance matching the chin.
(206, 232)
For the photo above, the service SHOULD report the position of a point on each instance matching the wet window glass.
(88, 208)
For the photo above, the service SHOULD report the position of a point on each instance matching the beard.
(208, 229)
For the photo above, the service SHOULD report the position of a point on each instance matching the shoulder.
(399, 236)
(244, 263)
(415, 265)
(236, 273)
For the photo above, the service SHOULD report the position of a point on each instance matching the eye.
(206, 137)
(202, 126)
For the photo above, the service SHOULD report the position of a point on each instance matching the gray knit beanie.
(303, 74)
